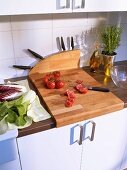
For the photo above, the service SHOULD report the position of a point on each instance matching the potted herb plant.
(110, 42)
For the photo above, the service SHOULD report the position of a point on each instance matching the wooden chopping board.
(86, 106)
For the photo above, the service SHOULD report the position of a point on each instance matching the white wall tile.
(38, 40)
(29, 61)
(69, 20)
(124, 35)
(40, 33)
(66, 33)
(121, 53)
(114, 18)
(6, 46)
(97, 19)
(5, 24)
(23, 22)
(6, 69)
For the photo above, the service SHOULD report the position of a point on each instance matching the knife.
(102, 89)
(72, 43)
(94, 88)
(22, 67)
(36, 54)
(62, 44)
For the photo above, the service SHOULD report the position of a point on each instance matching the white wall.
(40, 32)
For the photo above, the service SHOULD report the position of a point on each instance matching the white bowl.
(119, 75)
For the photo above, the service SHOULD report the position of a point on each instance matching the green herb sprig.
(111, 39)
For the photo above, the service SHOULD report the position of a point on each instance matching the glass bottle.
(95, 60)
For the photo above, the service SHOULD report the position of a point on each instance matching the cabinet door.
(124, 161)
(12, 165)
(16, 7)
(99, 5)
(108, 5)
(105, 152)
(9, 153)
(52, 149)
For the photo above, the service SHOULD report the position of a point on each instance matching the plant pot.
(108, 61)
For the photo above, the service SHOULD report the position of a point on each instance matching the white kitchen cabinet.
(16, 7)
(106, 151)
(57, 148)
(124, 161)
(108, 5)
(12, 165)
(99, 5)
(9, 157)
(51, 149)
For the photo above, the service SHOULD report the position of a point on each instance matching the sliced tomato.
(70, 93)
(78, 86)
(81, 88)
(68, 103)
(70, 98)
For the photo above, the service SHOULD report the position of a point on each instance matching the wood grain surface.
(59, 61)
(86, 106)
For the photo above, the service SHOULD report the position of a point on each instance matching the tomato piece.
(68, 103)
(59, 84)
(51, 84)
(70, 98)
(78, 86)
(81, 88)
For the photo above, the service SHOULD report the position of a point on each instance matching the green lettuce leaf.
(11, 117)
(20, 121)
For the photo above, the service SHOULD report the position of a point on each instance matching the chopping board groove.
(86, 106)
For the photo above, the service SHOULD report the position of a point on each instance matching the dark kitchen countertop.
(50, 123)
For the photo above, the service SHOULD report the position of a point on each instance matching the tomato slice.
(81, 88)
(70, 93)
(68, 103)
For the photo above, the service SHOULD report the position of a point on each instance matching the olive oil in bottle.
(95, 60)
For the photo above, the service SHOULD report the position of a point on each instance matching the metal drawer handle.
(67, 4)
(81, 135)
(93, 130)
(79, 138)
(81, 5)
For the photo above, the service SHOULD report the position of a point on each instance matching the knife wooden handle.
(99, 89)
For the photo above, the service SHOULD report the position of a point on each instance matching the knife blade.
(22, 67)
(62, 44)
(36, 54)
